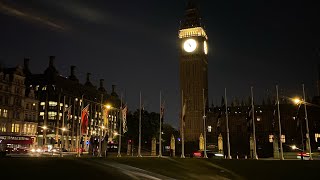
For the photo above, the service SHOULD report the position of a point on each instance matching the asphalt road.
(56, 168)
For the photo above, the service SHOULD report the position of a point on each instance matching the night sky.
(133, 44)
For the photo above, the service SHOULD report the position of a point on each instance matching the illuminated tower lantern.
(193, 71)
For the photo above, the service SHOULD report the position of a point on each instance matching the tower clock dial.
(205, 47)
(190, 45)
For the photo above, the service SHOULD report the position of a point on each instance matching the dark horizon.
(134, 46)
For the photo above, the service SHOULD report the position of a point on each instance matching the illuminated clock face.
(205, 47)
(190, 45)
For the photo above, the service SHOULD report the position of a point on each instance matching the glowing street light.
(108, 106)
(297, 101)
(63, 129)
(115, 133)
(294, 147)
(44, 127)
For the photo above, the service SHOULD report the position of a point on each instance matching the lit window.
(12, 128)
(316, 135)
(0, 112)
(17, 127)
(32, 129)
(42, 103)
(5, 113)
(283, 138)
(271, 138)
(52, 103)
(209, 128)
(3, 129)
(25, 128)
(44, 88)
(52, 115)
(41, 113)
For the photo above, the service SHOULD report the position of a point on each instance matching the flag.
(249, 119)
(84, 119)
(162, 111)
(68, 110)
(297, 117)
(183, 114)
(221, 110)
(124, 119)
(274, 119)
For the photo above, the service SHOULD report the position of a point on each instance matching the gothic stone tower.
(193, 71)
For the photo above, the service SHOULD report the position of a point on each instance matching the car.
(210, 154)
(305, 156)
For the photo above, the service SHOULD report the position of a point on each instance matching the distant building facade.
(293, 128)
(56, 94)
(18, 110)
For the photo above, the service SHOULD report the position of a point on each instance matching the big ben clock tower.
(193, 71)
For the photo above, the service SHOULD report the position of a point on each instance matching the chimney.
(72, 69)
(26, 63)
(101, 83)
(113, 88)
(51, 59)
(88, 77)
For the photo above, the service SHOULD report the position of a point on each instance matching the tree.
(149, 127)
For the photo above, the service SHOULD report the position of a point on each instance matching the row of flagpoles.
(252, 121)
(123, 110)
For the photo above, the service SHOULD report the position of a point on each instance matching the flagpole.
(307, 122)
(160, 131)
(204, 126)
(139, 147)
(227, 122)
(62, 129)
(280, 134)
(101, 124)
(254, 128)
(182, 126)
(80, 133)
(120, 127)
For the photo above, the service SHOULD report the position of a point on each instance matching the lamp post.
(102, 128)
(307, 121)
(299, 102)
(62, 140)
(44, 129)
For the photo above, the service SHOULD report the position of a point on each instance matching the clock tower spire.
(193, 71)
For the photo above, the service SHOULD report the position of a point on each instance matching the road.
(69, 168)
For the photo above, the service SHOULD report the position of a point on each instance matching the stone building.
(57, 93)
(18, 110)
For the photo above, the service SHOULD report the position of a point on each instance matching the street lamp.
(62, 141)
(294, 147)
(299, 101)
(44, 135)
